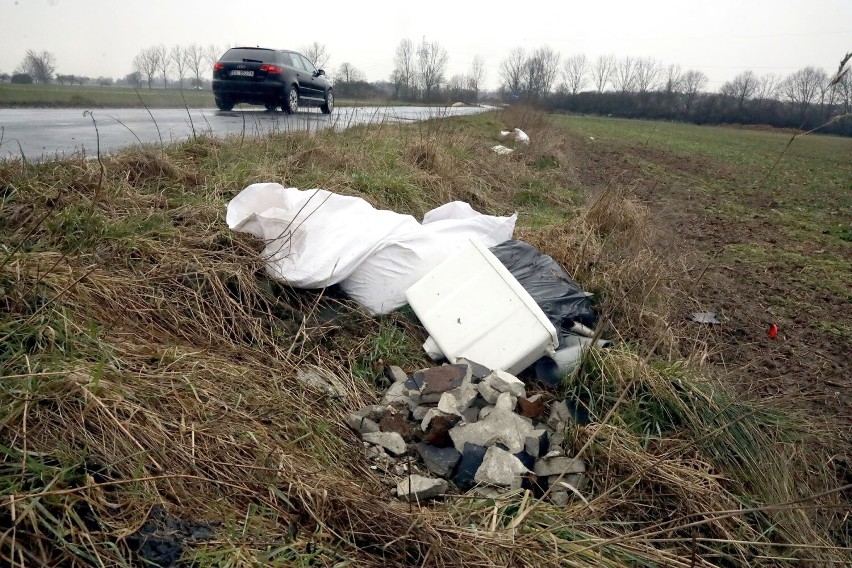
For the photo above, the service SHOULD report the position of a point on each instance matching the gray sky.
(719, 37)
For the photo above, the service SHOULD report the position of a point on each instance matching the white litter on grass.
(517, 135)
(592, 138)
(502, 150)
(316, 238)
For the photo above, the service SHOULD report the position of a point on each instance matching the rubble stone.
(458, 400)
(438, 380)
(488, 392)
(531, 407)
(440, 461)
(506, 401)
(396, 422)
(537, 444)
(391, 441)
(546, 467)
(499, 426)
(471, 459)
(427, 418)
(395, 374)
(485, 411)
(397, 392)
(505, 382)
(575, 480)
(419, 488)
(471, 415)
(559, 498)
(559, 416)
(478, 372)
(327, 384)
(419, 412)
(501, 468)
(438, 431)
(373, 413)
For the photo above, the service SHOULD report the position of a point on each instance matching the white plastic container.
(474, 308)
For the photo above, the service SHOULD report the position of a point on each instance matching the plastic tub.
(474, 308)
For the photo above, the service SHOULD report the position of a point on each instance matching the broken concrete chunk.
(537, 443)
(395, 374)
(391, 441)
(506, 401)
(531, 407)
(559, 465)
(419, 412)
(440, 461)
(485, 411)
(418, 488)
(488, 393)
(471, 415)
(575, 480)
(505, 382)
(327, 384)
(458, 400)
(427, 418)
(372, 414)
(559, 415)
(526, 459)
(500, 468)
(472, 457)
(560, 498)
(500, 426)
(397, 393)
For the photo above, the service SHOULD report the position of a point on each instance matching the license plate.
(240, 73)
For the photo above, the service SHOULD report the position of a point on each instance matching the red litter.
(773, 331)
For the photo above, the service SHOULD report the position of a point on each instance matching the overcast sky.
(719, 37)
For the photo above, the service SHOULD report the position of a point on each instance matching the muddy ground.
(804, 369)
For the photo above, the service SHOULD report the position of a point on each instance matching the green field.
(147, 360)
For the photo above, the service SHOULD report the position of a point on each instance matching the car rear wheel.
(329, 103)
(271, 107)
(224, 104)
(291, 105)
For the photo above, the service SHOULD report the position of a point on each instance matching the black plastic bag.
(561, 299)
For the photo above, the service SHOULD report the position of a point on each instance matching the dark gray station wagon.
(270, 77)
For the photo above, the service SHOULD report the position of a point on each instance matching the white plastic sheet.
(315, 238)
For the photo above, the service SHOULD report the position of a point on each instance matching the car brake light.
(271, 68)
(218, 66)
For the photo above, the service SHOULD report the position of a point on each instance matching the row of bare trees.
(180, 62)
(420, 73)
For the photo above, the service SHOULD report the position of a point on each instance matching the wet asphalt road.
(44, 134)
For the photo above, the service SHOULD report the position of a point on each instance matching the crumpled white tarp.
(315, 238)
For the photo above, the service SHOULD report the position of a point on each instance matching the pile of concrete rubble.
(462, 427)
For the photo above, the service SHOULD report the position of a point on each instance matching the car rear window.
(238, 54)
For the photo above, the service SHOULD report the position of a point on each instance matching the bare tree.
(431, 65)
(4, 77)
(403, 76)
(602, 71)
(741, 88)
(178, 58)
(164, 62)
(673, 80)
(194, 54)
(512, 70)
(39, 66)
(803, 87)
(575, 73)
(646, 72)
(348, 73)
(212, 54)
(624, 74)
(767, 87)
(147, 63)
(476, 77)
(540, 70)
(694, 82)
(317, 53)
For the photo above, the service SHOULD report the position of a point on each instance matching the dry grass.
(147, 361)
